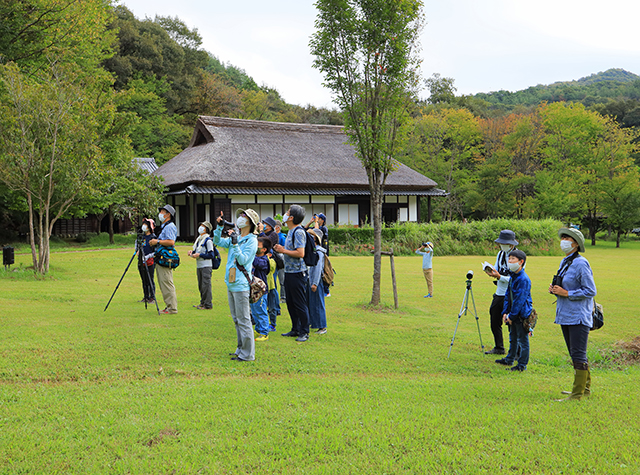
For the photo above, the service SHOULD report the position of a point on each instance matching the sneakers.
(517, 368)
(272, 328)
(166, 311)
(303, 338)
(495, 351)
(291, 333)
(503, 361)
(428, 296)
(321, 331)
(262, 337)
(201, 307)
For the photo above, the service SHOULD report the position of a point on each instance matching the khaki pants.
(428, 276)
(165, 282)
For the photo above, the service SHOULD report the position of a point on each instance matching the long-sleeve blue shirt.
(577, 308)
(261, 267)
(315, 272)
(244, 252)
(517, 301)
(426, 258)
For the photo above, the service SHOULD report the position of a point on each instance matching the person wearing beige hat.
(242, 251)
(203, 253)
(167, 237)
(575, 289)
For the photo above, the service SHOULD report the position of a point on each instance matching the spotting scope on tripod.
(464, 309)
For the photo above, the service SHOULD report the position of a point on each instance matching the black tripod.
(463, 311)
(153, 290)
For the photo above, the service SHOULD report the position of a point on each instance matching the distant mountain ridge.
(613, 84)
(613, 74)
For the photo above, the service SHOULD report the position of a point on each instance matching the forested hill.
(600, 88)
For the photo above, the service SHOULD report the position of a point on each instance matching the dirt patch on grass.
(162, 435)
(623, 353)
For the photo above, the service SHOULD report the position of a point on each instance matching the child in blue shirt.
(426, 250)
(517, 308)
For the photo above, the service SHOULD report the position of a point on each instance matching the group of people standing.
(574, 288)
(255, 248)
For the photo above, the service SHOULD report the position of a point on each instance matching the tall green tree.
(367, 52)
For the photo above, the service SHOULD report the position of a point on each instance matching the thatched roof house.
(233, 163)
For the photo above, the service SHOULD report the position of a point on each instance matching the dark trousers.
(576, 338)
(148, 286)
(495, 311)
(296, 287)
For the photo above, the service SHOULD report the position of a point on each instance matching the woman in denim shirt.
(574, 287)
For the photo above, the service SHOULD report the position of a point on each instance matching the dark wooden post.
(428, 209)
(393, 276)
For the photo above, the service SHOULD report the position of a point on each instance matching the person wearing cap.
(426, 251)
(517, 308)
(282, 238)
(242, 251)
(317, 310)
(507, 242)
(575, 289)
(203, 253)
(319, 221)
(146, 262)
(167, 238)
(267, 229)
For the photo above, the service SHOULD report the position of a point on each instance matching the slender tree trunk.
(32, 234)
(376, 205)
(618, 239)
(111, 240)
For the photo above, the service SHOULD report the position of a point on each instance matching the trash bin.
(7, 256)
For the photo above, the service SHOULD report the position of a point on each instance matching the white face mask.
(161, 217)
(514, 266)
(505, 247)
(145, 228)
(242, 222)
(285, 218)
(202, 229)
(566, 246)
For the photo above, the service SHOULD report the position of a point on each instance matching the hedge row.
(450, 238)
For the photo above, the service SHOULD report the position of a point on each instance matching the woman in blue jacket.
(242, 251)
(574, 287)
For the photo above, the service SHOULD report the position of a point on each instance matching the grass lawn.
(127, 391)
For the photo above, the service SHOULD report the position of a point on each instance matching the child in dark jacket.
(517, 308)
(260, 270)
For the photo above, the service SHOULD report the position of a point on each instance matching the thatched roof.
(249, 153)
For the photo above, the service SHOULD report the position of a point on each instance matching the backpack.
(328, 271)
(310, 254)
(217, 259)
(277, 257)
(167, 257)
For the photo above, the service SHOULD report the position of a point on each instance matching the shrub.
(451, 238)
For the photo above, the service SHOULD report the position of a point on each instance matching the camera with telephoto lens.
(424, 244)
(557, 280)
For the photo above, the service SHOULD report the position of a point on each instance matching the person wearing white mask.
(517, 308)
(507, 242)
(575, 289)
(146, 262)
(242, 251)
(203, 253)
(167, 238)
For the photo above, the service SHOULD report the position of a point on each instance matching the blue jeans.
(259, 312)
(317, 312)
(518, 339)
(273, 305)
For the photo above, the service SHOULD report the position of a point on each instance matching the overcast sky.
(484, 45)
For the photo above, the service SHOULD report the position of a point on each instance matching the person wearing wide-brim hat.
(203, 252)
(167, 238)
(242, 251)
(575, 289)
(507, 243)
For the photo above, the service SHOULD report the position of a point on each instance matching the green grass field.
(128, 391)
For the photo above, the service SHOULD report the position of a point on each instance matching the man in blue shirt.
(296, 278)
(167, 238)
